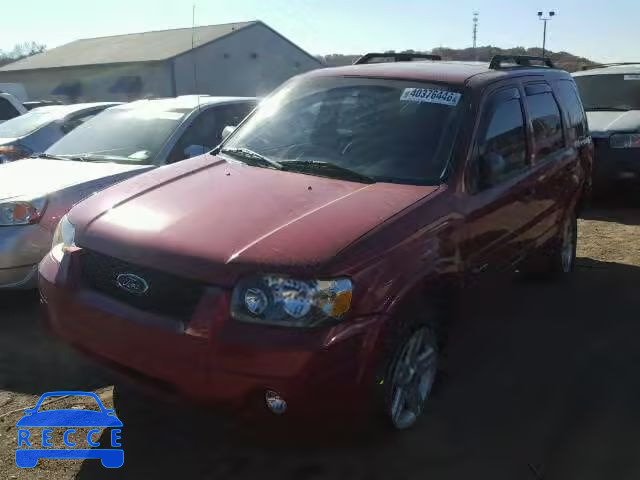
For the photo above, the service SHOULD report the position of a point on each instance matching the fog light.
(275, 402)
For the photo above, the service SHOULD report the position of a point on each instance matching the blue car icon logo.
(69, 419)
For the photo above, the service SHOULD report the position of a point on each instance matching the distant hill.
(563, 60)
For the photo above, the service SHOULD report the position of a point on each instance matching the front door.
(498, 186)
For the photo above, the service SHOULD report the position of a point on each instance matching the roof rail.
(519, 61)
(397, 57)
(600, 65)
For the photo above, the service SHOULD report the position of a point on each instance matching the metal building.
(239, 59)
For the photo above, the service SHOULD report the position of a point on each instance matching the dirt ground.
(542, 383)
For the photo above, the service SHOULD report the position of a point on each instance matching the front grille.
(167, 294)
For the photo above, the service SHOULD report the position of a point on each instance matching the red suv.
(301, 265)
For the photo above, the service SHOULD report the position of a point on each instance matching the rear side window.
(547, 124)
(7, 111)
(572, 105)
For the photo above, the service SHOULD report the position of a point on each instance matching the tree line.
(20, 51)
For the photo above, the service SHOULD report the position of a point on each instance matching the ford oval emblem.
(131, 283)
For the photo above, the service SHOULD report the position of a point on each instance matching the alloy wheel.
(568, 246)
(412, 378)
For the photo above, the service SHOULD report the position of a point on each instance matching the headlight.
(22, 211)
(9, 153)
(273, 300)
(63, 239)
(627, 140)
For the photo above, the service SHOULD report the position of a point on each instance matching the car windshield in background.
(129, 135)
(29, 122)
(609, 92)
(353, 128)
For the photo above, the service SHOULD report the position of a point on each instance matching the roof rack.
(519, 61)
(397, 57)
(600, 65)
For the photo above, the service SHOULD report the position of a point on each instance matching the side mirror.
(195, 150)
(228, 130)
(491, 167)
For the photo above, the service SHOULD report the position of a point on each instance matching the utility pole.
(475, 34)
(544, 34)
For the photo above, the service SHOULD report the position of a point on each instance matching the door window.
(547, 124)
(503, 148)
(7, 110)
(205, 132)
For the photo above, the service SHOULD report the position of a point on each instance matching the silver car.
(37, 130)
(118, 143)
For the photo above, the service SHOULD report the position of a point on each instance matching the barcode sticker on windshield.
(635, 76)
(430, 95)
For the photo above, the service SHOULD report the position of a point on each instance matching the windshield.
(120, 135)
(29, 122)
(609, 92)
(385, 130)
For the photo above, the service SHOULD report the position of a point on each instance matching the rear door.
(554, 160)
(497, 208)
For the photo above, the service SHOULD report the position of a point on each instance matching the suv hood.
(603, 124)
(207, 219)
(34, 177)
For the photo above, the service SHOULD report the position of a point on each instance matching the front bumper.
(213, 359)
(613, 165)
(21, 249)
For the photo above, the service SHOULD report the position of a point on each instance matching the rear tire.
(559, 257)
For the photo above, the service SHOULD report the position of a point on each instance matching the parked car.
(611, 97)
(35, 131)
(10, 107)
(302, 265)
(15, 89)
(118, 143)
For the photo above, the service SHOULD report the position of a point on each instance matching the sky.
(601, 33)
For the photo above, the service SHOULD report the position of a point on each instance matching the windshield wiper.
(48, 156)
(90, 157)
(326, 169)
(607, 109)
(248, 154)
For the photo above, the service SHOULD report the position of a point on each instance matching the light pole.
(544, 35)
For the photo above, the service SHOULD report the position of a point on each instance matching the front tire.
(411, 374)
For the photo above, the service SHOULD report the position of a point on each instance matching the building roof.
(133, 47)
(629, 69)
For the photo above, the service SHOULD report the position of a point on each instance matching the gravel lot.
(542, 383)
